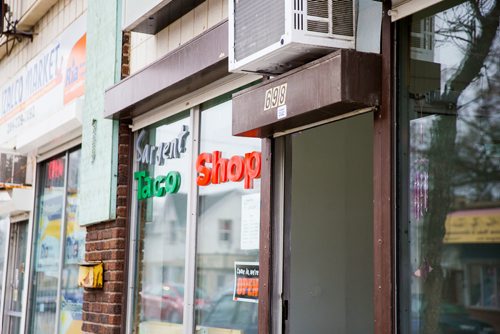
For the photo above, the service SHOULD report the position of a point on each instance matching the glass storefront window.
(57, 213)
(15, 275)
(227, 215)
(449, 163)
(4, 240)
(162, 218)
(70, 318)
(47, 246)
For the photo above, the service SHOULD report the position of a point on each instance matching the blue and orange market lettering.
(148, 187)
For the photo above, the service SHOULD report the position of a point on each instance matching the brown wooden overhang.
(339, 83)
(159, 18)
(188, 68)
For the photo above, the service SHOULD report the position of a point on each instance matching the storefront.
(15, 212)
(321, 199)
(376, 208)
(197, 247)
(195, 196)
(192, 233)
(59, 245)
(41, 120)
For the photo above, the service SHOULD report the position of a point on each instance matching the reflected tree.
(455, 154)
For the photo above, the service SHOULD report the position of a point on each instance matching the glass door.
(327, 235)
(15, 277)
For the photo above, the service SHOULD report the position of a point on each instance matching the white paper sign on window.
(250, 221)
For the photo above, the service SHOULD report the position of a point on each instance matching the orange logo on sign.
(74, 82)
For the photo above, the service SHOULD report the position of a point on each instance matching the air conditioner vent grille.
(318, 8)
(316, 26)
(258, 24)
(342, 18)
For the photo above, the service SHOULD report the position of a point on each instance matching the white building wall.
(58, 18)
(146, 48)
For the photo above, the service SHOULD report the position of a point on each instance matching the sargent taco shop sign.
(212, 168)
(235, 169)
(148, 154)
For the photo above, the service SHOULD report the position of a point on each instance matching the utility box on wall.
(90, 275)
(272, 37)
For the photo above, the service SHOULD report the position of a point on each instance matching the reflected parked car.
(454, 319)
(166, 302)
(230, 314)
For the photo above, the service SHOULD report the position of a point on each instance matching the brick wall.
(104, 309)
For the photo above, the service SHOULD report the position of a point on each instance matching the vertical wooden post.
(265, 255)
(382, 190)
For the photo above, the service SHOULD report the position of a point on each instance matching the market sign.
(246, 282)
(473, 226)
(235, 169)
(51, 80)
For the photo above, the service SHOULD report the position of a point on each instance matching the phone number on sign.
(21, 119)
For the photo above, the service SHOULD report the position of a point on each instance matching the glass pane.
(19, 238)
(14, 325)
(228, 224)
(15, 276)
(70, 319)
(450, 161)
(4, 239)
(47, 246)
(163, 150)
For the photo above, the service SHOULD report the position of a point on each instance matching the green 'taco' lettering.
(148, 187)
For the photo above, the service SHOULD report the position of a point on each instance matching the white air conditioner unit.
(274, 36)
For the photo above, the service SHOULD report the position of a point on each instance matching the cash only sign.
(211, 167)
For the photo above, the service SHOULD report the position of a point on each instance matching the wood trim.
(383, 241)
(338, 83)
(403, 8)
(265, 254)
(156, 20)
(128, 138)
(192, 66)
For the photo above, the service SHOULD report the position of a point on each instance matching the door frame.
(281, 224)
(24, 217)
(384, 242)
(11, 258)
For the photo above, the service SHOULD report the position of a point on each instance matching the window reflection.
(450, 97)
(227, 213)
(70, 318)
(4, 239)
(162, 233)
(47, 246)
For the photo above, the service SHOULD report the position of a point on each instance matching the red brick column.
(104, 309)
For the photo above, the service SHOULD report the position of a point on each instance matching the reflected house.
(221, 246)
(471, 258)
(221, 240)
(166, 227)
(216, 255)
